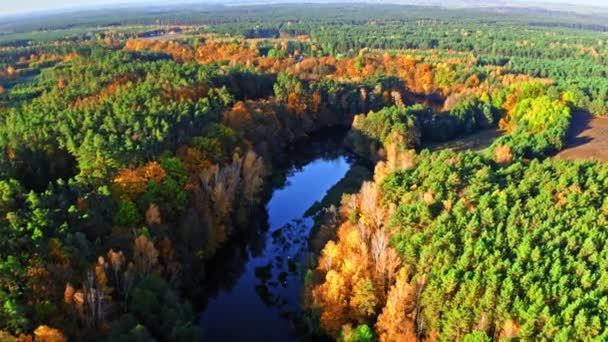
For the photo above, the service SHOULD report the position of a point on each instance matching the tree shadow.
(36, 169)
(578, 141)
(580, 122)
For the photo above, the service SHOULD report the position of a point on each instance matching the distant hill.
(599, 8)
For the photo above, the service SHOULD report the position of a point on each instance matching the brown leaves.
(396, 323)
(503, 155)
(45, 333)
(296, 104)
(145, 255)
(153, 216)
(186, 93)
(106, 92)
(510, 329)
(360, 268)
(239, 116)
(193, 160)
(472, 81)
(40, 281)
(117, 260)
(427, 197)
(11, 71)
(368, 199)
(397, 99)
(178, 51)
(396, 158)
(130, 183)
(217, 51)
(68, 293)
(332, 297)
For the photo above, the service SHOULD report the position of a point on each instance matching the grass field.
(474, 142)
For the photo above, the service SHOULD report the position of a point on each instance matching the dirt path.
(587, 138)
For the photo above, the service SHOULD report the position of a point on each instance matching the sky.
(24, 6)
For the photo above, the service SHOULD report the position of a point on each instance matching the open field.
(474, 142)
(587, 138)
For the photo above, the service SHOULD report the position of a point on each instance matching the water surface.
(261, 298)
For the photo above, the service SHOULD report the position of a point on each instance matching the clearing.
(587, 138)
(475, 142)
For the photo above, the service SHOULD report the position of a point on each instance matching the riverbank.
(255, 280)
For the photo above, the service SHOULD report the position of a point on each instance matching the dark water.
(260, 280)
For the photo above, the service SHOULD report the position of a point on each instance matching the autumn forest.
(350, 172)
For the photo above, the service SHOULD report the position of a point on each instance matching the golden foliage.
(145, 255)
(509, 330)
(45, 333)
(238, 116)
(153, 215)
(193, 160)
(329, 254)
(130, 183)
(363, 272)
(296, 104)
(396, 158)
(332, 296)
(233, 52)
(503, 155)
(395, 323)
(178, 51)
(40, 281)
(68, 293)
(428, 198)
(472, 81)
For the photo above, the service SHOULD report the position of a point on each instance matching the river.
(261, 279)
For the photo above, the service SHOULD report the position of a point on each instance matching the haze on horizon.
(27, 6)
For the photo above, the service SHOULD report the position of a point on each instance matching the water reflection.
(254, 282)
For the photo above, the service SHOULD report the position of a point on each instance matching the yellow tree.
(332, 298)
(395, 322)
(153, 216)
(145, 255)
(44, 333)
(503, 154)
(329, 256)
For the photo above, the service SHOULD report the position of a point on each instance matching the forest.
(136, 147)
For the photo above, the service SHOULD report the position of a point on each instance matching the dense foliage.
(132, 149)
(485, 250)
